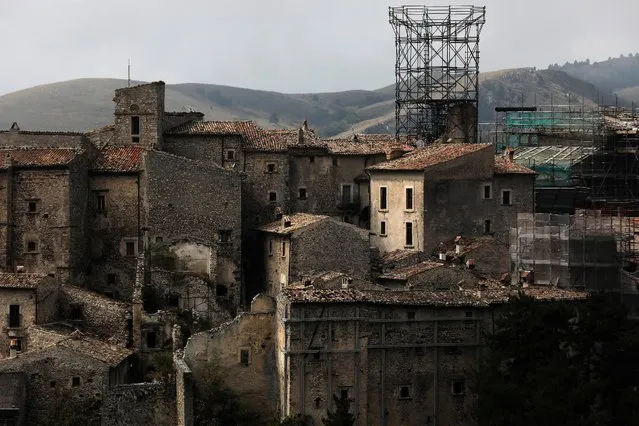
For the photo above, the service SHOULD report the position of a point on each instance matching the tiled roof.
(220, 128)
(410, 271)
(394, 256)
(298, 221)
(430, 155)
(504, 166)
(20, 280)
(459, 298)
(183, 113)
(39, 157)
(120, 159)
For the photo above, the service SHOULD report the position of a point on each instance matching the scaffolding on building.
(436, 70)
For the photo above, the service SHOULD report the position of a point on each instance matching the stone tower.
(139, 115)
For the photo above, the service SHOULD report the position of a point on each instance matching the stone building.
(13, 399)
(432, 194)
(26, 300)
(303, 244)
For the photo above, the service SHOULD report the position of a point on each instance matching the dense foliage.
(560, 363)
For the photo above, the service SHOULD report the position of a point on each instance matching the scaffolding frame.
(436, 68)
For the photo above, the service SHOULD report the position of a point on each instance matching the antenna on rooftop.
(128, 75)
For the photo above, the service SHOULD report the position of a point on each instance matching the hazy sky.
(282, 45)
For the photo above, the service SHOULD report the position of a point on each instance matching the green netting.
(548, 119)
(551, 174)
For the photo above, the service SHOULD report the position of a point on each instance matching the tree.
(341, 416)
(576, 365)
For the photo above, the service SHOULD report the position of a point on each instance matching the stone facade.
(139, 404)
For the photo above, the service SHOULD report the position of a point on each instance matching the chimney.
(345, 281)
(458, 244)
(509, 153)
(176, 336)
(286, 222)
(300, 136)
(305, 126)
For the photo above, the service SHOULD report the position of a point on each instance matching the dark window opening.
(173, 300)
(32, 206)
(347, 219)
(225, 236)
(335, 161)
(14, 315)
(311, 159)
(35, 376)
(135, 126)
(270, 247)
(15, 344)
(244, 357)
(221, 290)
(75, 382)
(75, 311)
(112, 278)
(159, 240)
(459, 387)
(487, 192)
(272, 196)
(452, 350)
(317, 402)
(283, 248)
(52, 383)
(409, 198)
(302, 193)
(151, 339)
(100, 202)
(505, 198)
(343, 393)
(32, 246)
(404, 392)
(487, 227)
(383, 198)
(409, 234)
(230, 154)
(346, 194)
(130, 248)
(469, 314)
(410, 315)
(270, 167)
(382, 227)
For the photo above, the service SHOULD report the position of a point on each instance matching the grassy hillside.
(87, 103)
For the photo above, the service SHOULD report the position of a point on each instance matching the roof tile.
(430, 155)
(38, 157)
(119, 159)
(298, 221)
(20, 280)
(504, 166)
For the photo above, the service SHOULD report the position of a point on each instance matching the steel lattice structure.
(436, 69)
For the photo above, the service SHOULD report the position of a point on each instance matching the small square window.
(75, 382)
(459, 387)
(335, 161)
(506, 198)
(32, 206)
(15, 344)
(159, 240)
(225, 236)
(469, 314)
(112, 278)
(311, 159)
(244, 357)
(130, 248)
(32, 246)
(410, 315)
(270, 167)
(52, 383)
(382, 227)
(230, 155)
(404, 392)
(302, 193)
(272, 196)
(488, 191)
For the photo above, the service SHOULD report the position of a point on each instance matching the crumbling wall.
(140, 404)
(184, 393)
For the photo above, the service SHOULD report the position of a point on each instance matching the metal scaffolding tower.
(436, 70)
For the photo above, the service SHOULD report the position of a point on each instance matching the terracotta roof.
(394, 256)
(367, 145)
(220, 128)
(298, 221)
(503, 166)
(120, 159)
(458, 298)
(20, 280)
(410, 271)
(279, 140)
(430, 155)
(39, 157)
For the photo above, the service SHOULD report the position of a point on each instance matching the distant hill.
(619, 75)
(87, 103)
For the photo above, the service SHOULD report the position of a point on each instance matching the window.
(452, 350)
(112, 278)
(52, 383)
(311, 159)
(221, 290)
(459, 387)
(335, 161)
(75, 311)
(343, 392)
(151, 339)
(317, 401)
(230, 155)
(270, 167)
(32, 206)
(14, 316)
(75, 382)
(506, 199)
(130, 248)
(100, 202)
(488, 191)
(487, 228)
(224, 236)
(15, 344)
(347, 193)
(382, 227)
(410, 315)
(244, 357)
(302, 193)
(135, 129)
(404, 392)
(469, 314)
(159, 240)
(409, 198)
(409, 234)
(383, 198)
(283, 248)
(272, 196)
(32, 246)
(270, 247)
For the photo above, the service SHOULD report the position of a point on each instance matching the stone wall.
(209, 149)
(25, 298)
(183, 393)
(257, 207)
(79, 220)
(145, 102)
(42, 139)
(187, 201)
(140, 404)
(97, 314)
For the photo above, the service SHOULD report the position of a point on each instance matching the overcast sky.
(282, 45)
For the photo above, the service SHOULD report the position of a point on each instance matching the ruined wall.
(209, 149)
(174, 119)
(242, 353)
(190, 202)
(98, 315)
(183, 393)
(139, 404)
(113, 271)
(322, 247)
(396, 215)
(146, 102)
(79, 221)
(397, 364)
(42, 139)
